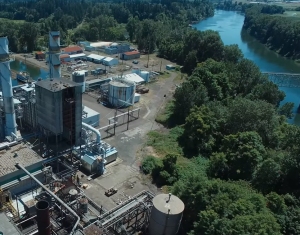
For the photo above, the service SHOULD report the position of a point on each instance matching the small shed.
(109, 61)
(65, 58)
(170, 67)
(39, 55)
(130, 55)
(90, 116)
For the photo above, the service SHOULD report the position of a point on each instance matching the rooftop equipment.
(79, 77)
(6, 87)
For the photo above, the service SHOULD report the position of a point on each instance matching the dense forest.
(146, 23)
(270, 27)
(229, 153)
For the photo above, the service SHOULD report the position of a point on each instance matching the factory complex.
(52, 145)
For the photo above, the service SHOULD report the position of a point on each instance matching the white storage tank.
(145, 75)
(79, 77)
(121, 93)
(136, 70)
(166, 215)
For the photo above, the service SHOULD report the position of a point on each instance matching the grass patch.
(166, 143)
(164, 116)
(13, 21)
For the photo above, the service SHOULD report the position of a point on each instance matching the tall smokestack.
(54, 53)
(7, 93)
(43, 217)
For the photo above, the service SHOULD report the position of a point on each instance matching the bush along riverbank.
(276, 30)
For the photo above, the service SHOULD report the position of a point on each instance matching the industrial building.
(109, 61)
(72, 50)
(97, 59)
(80, 56)
(131, 55)
(117, 48)
(40, 192)
(64, 58)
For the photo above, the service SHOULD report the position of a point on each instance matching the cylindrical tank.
(145, 75)
(79, 77)
(83, 202)
(73, 193)
(166, 215)
(43, 217)
(136, 70)
(121, 93)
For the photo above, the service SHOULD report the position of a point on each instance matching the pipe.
(6, 85)
(97, 132)
(53, 195)
(43, 217)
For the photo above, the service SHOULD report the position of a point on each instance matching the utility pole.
(160, 66)
(128, 119)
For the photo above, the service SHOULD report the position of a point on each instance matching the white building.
(95, 58)
(133, 77)
(90, 117)
(80, 56)
(109, 61)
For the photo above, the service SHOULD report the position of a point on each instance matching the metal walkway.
(291, 80)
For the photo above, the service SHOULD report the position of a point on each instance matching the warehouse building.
(80, 56)
(130, 55)
(116, 48)
(109, 61)
(100, 46)
(97, 59)
(72, 50)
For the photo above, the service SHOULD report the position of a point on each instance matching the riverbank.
(30, 60)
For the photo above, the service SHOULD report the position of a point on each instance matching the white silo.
(79, 77)
(54, 53)
(145, 75)
(166, 215)
(121, 92)
(6, 87)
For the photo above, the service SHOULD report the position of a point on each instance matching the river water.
(229, 25)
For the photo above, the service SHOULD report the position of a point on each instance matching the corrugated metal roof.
(72, 49)
(77, 55)
(133, 77)
(96, 57)
(132, 53)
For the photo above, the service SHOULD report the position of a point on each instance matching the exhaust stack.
(54, 53)
(7, 93)
(43, 217)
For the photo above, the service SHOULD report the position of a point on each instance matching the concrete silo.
(79, 77)
(166, 215)
(121, 92)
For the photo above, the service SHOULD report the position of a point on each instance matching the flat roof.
(77, 55)
(108, 58)
(72, 49)
(100, 44)
(133, 77)
(56, 84)
(90, 112)
(26, 157)
(96, 57)
(90, 82)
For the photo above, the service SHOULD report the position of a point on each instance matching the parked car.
(135, 62)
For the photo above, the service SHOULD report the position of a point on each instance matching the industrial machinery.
(111, 192)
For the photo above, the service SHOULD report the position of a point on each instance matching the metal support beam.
(63, 204)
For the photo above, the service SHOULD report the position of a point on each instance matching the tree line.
(145, 23)
(230, 154)
(277, 32)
